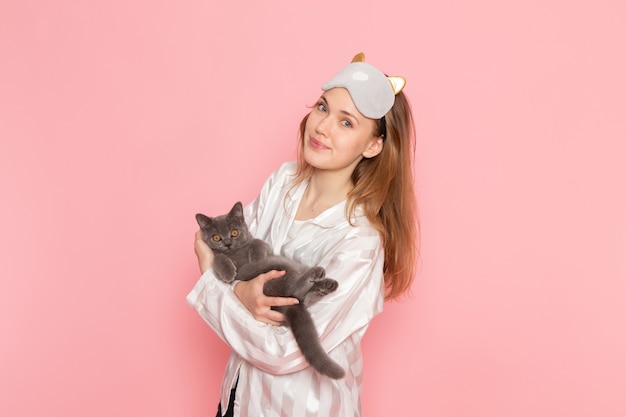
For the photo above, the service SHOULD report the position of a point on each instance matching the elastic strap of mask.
(383, 127)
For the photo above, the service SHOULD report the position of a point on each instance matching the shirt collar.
(329, 218)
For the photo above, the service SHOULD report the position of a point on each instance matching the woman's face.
(337, 136)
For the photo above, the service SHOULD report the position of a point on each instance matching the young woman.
(347, 205)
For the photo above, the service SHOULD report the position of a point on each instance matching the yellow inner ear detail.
(397, 83)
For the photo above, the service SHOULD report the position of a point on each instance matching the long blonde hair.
(383, 187)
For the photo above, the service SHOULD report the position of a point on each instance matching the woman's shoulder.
(286, 169)
(283, 175)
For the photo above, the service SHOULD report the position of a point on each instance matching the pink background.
(119, 120)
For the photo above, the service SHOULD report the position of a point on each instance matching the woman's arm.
(356, 264)
(251, 295)
(203, 252)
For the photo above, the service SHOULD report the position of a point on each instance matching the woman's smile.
(317, 144)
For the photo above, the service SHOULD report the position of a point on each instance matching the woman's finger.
(274, 318)
(275, 301)
(282, 301)
(263, 278)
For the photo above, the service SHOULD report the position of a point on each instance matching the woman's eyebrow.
(351, 116)
(347, 113)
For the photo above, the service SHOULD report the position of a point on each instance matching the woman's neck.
(323, 192)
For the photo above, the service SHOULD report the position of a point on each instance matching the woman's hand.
(251, 295)
(203, 252)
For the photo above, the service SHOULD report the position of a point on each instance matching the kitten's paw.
(225, 271)
(319, 290)
(317, 273)
(228, 279)
(325, 286)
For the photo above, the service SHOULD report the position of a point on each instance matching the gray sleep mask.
(372, 91)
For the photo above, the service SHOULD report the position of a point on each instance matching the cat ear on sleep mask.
(372, 91)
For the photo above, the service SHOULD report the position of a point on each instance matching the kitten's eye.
(217, 238)
(234, 233)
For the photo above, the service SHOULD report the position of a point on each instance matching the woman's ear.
(375, 147)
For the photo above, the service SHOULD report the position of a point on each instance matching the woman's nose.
(323, 126)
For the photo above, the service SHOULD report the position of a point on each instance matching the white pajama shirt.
(274, 378)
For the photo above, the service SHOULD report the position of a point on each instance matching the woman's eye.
(346, 123)
(321, 107)
(234, 233)
(217, 238)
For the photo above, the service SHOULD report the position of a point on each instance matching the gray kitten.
(240, 256)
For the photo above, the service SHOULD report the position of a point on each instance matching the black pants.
(231, 404)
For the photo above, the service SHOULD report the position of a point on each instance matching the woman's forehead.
(339, 99)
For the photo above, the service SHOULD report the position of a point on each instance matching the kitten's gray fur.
(239, 256)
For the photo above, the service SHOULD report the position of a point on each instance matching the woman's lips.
(317, 144)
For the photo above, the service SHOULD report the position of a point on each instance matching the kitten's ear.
(237, 210)
(203, 220)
